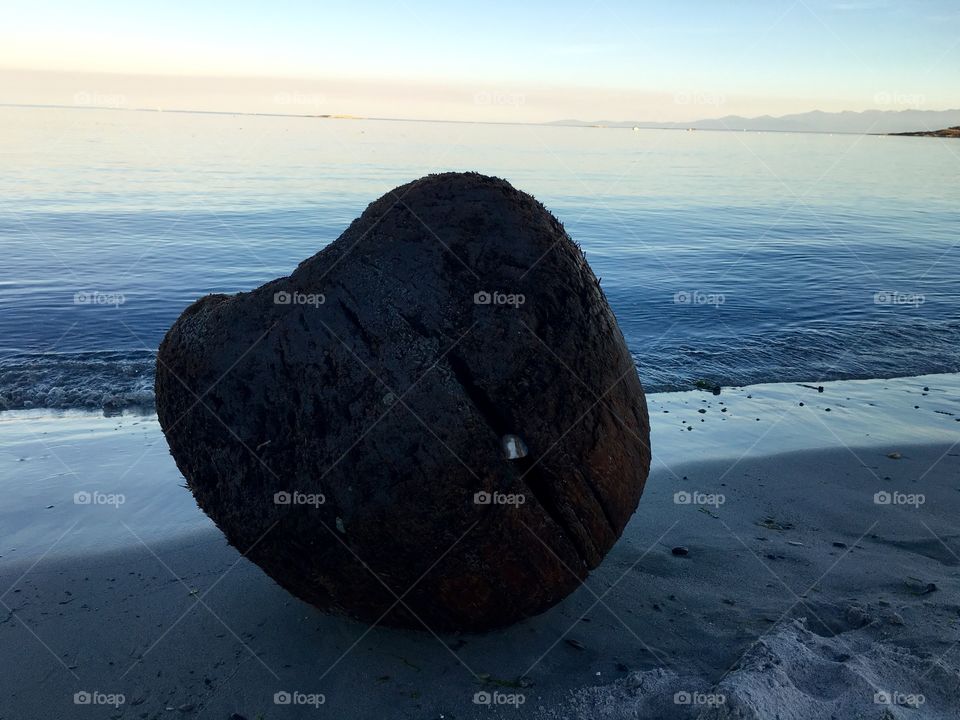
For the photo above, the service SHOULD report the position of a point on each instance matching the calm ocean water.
(730, 257)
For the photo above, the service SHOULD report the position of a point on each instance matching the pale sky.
(493, 60)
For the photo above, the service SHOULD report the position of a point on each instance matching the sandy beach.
(796, 554)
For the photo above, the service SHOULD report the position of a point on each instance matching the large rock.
(433, 421)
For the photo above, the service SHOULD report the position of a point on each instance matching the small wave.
(123, 380)
(88, 380)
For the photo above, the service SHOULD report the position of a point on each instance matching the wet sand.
(762, 574)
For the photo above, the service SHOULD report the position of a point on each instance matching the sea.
(729, 258)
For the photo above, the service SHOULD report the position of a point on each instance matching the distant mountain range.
(868, 121)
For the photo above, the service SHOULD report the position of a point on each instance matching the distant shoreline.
(951, 132)
(552, 123)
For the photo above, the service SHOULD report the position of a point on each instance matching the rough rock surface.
(339, 423)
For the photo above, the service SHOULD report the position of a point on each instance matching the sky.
(524, 61)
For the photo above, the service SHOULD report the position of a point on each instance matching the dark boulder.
(434, 420)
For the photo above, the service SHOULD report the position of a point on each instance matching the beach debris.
(520, 682)
(919, 587)
(413, 378)
(772, 524)
(707, 385)
(856, 616)
(680, 551)
(894, 455)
